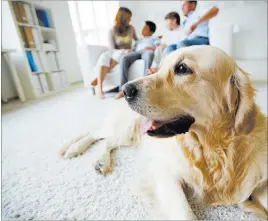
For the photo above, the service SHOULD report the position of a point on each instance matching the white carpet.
(38, 184)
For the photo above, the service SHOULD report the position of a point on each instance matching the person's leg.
(157, 56)
(125, 64)
(107, 60)
(103, 72)
(107, 64)
(184, 43)
(158, 52)
(193, 41)
(170, 48)
(94, 82)
(112, 64)
(147, 57)
(164, 53)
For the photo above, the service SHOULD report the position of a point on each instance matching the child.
(174, 34)
(144, 49)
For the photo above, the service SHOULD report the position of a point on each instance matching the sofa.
(89, 57)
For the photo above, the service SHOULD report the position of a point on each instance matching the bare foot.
(119, 95)
(151, 71)
(101, 96)
(99, 93)
(94, 82)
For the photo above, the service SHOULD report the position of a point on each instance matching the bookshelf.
(42, 73)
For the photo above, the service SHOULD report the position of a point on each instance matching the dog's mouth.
(167, 128)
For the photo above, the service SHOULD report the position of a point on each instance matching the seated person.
(195, 25)
(174, 34)
(144, 49)
(120, 43)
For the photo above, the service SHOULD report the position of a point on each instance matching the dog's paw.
(72, 151)
(103, 165)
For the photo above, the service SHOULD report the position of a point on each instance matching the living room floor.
(38, 184)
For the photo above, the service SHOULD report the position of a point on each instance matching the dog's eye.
(182, 69)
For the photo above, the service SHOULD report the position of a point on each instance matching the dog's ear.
(240, 101)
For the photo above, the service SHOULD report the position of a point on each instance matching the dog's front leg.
(80, 144)
(104, 164)
(171, 198)
(258, 204)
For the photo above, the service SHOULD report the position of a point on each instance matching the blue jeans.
(188, 42)
(128, 59)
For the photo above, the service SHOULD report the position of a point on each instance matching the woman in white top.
(120, 42)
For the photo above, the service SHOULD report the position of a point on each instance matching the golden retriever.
(203, 129)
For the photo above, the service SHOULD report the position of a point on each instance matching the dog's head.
(194, 84)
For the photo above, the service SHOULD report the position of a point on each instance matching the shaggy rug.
(38, 184)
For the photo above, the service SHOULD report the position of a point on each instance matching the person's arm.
(111, 41)
(156, 43)
(163, 41)
(207, 16)
(134, 34)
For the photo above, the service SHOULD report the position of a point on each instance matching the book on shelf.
(36, 38)
(16, 11)
(42, 18)
(37, 61)
(34, 61)
(31, 61)
(23, 36)
(23, 12)
(29, 37)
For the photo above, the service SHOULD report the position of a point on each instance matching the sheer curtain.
(92, 20)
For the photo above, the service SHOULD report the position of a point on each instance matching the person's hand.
(164, 46)
(192, 28)
(149, 49)
(128, 50)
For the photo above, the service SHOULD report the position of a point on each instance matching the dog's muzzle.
(130, 91)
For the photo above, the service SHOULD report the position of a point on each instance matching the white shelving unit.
(45, 80)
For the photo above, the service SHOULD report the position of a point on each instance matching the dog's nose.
(130, 91)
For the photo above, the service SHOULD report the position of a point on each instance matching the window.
(92, 20)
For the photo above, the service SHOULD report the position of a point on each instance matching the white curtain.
(92, 20)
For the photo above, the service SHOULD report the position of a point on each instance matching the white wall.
(10, 39)
(8, 89)
(150, 10)
(66, 38)
(251, 16)
(251, 40)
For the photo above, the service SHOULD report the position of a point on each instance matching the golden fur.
(227, 145)
(226, 148)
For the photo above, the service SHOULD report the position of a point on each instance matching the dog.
(201, 127)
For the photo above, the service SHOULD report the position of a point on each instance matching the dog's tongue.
(146, 124)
